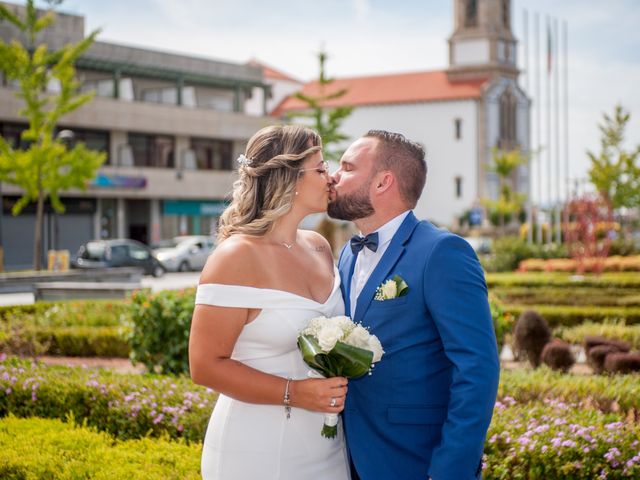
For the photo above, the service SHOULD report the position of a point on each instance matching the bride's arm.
(214, 332)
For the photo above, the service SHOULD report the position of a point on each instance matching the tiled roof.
(414, 87)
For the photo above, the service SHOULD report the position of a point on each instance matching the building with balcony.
(171, 126)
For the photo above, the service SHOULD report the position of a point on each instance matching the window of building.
(471, 13)
(93, 139)
(458, 128)
(458, 185)
(11, 132)
(212, 154)
(508, 108)
(152, 150)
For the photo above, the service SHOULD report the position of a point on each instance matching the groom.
(425, 410)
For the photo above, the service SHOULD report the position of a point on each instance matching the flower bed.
(42, 448)
(126, 406)
(618, 279)
(552, 439)
(605, 296)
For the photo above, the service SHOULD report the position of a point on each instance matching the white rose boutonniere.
(392, 288)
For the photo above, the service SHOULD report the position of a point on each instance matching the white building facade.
(459, 114)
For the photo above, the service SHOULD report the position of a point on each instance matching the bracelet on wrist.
(287, 399)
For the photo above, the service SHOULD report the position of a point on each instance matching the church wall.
(432, 125)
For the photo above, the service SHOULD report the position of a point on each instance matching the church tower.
(482, 43)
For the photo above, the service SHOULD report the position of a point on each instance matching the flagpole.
(538, 126)
(556, 77)
(548, 124)
(528, 152)
(565, 36)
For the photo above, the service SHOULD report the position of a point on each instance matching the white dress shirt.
(368, 260)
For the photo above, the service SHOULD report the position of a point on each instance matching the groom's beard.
(352, 206)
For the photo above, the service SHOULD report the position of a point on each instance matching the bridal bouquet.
(337, 347)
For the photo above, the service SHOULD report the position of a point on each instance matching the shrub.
(554, 279)
(502, 322)
(590, 342)
(598, 354)
(609, 330)
(567, 315)
(608, 264)
(622, 362)
(557, 355)
(568, 295)
(126, 406)
(531, 335)
(37, 448)
(87, 313)
(159, 329)
(556, 440)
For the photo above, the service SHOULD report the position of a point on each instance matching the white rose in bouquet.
(328, 336)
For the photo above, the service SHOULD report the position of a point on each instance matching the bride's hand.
(326, 395)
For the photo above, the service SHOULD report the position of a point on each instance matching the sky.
(364, 37)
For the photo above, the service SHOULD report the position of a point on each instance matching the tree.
(326, 121)
(504, 163)
(615, 172)
(47, 165)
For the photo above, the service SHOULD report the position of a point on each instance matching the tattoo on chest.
(321, 248)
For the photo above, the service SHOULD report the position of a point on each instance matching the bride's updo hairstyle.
(268, 172)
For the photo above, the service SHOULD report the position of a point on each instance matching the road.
(169, 281)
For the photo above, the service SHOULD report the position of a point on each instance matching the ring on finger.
(333, 402)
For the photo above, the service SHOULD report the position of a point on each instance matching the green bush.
(34, 448)
(502, 322)
(568, 315)
(126, 406)
(87, 313)
(621, 280)
(160, 325)
(559, 441)
(613, 330)
(84, 341)
(603, 296)
(508, 252)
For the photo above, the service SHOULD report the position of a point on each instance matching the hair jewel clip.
(244, 161)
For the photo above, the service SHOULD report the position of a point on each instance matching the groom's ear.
(383, 181)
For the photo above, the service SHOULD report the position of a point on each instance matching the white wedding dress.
(248, 441)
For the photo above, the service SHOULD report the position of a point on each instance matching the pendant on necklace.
(288, 245)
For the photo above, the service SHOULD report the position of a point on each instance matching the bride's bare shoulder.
(233, 262)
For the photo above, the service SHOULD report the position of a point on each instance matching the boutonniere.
(392, 288)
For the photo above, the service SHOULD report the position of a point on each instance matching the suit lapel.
(385, 265)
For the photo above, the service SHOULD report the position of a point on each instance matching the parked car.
(184, 253)
(118, 253)
(482, 245)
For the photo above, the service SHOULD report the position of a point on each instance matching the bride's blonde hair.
(268, 173)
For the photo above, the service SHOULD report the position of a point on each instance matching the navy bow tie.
(370, 241)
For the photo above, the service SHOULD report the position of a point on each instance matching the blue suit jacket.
(426, 408)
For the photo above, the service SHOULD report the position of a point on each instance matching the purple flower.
(158, 419)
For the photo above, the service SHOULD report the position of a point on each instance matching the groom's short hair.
(405, 159)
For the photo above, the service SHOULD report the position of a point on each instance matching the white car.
(184, 253)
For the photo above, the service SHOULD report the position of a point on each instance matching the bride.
(260, 287)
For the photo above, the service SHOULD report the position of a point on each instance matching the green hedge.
(602, 296)
(614, 330)
(554, 440)
(84, 341)
(126, 406)
(619, 393)
(32, 449)
(616, 280)
(568, 315)
(88, 313)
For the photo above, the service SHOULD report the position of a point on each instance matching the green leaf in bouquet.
(401, 286)
(354, 361)
(343, 360)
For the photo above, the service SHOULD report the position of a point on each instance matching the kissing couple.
(425, 410)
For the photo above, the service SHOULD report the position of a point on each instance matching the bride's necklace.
(288, 245)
